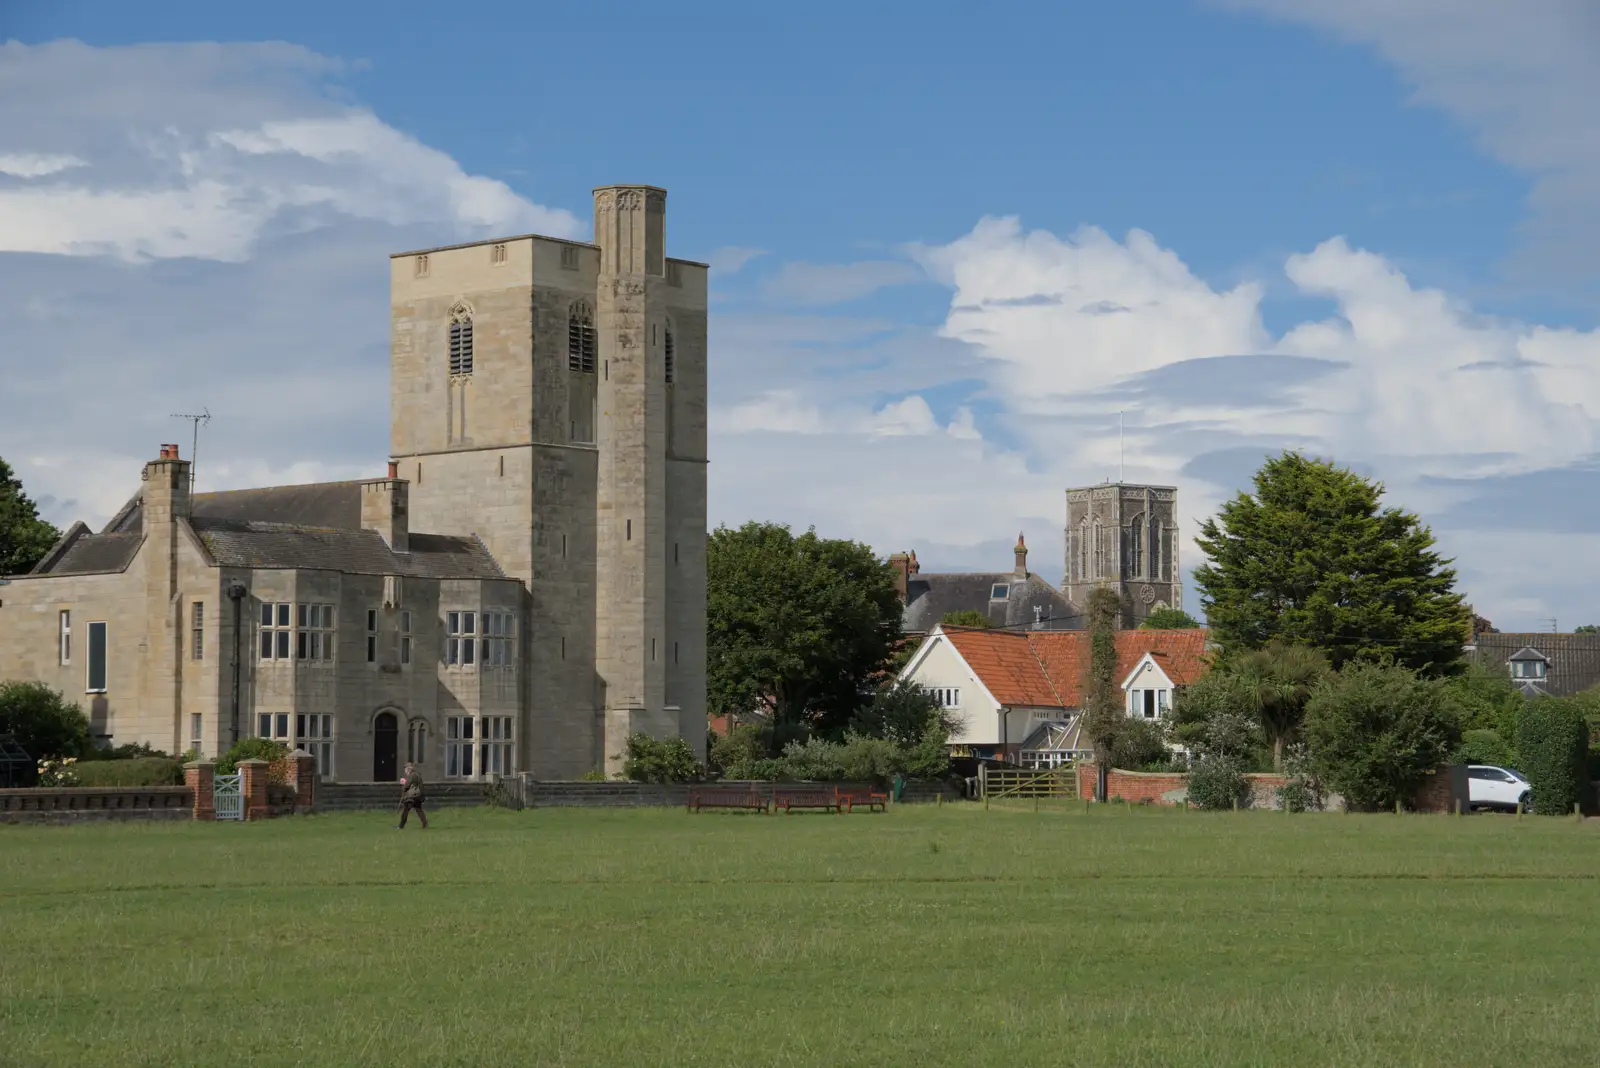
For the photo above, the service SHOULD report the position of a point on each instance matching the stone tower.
(549, 397)
(1124, 537)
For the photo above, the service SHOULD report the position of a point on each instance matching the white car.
(1490, 786)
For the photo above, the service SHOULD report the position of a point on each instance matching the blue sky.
(1364, 228)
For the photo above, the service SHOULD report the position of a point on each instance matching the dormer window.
(998, 591)
(1529, 665)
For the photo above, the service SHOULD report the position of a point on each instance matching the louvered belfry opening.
(461, 345)
(670, 354)
(580, 338)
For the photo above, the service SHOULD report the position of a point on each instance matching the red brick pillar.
(197, 776)
(305, 780)
(253, 784)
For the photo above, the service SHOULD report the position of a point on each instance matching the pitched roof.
(931, 597)
(1044, 668)
(1574, 659)
(96, 552)
(315, 504)
(354, 552)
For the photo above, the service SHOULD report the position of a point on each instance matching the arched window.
(1157, 556)
(460, 342)
(580, 338)
(1133, 566)
(1083, 548)
(670, 350)
(1099, 550)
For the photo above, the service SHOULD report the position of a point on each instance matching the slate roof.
(1044, 668)
(335, 505)
(92, 553)
(1574, 659)
(931, 597)
(316, 526)
(354, 552)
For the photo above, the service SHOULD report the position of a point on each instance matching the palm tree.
(1281, 679)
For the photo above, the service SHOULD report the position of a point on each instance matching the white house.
(1015, 694)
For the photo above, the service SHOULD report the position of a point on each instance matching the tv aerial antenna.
(204, 416)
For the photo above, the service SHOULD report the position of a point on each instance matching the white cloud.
(1522, 77)
(35, 165)
(731, 258)
(201, 185)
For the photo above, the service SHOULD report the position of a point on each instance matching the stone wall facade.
(1124, 538)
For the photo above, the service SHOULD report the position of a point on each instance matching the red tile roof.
(1044, 668)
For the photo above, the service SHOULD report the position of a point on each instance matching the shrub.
(250, 749)
(739, 748)
(62, 771)
(140, 771)
(650, 760)
(1375, 731)
(1139, 744)
(1482, 747)
(130, 751)
(45, 724)
(1302, 792)
(593, 775)
(900, 712)
(1215, 782)
(1553, 743)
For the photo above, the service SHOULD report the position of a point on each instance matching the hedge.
(142, 771)
(1553, 745)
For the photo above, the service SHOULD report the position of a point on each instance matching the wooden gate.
(1023, 784)
(227, 796)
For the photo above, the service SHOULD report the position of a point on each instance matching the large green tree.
(797, 625)
(1313, 558)
(1104, 715)
(24, 537)
(1375, 731)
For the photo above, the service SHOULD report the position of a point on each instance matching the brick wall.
(1438, 793)
(76, 803)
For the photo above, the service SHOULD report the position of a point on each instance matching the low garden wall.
(616, 794)
(72, 804)
(1438, 793)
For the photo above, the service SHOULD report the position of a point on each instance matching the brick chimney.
(385, 508)
(1021, 552)
(901, 562)
(166, 489)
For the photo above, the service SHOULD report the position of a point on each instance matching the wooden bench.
(851, 796)
(791, 798)
(712, 798)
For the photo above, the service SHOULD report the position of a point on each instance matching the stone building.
(1125, 538)
(523, 590)
(1015, 599)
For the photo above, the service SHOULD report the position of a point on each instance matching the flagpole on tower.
(1122, 453)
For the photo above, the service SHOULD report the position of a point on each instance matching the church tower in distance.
(1125, 538)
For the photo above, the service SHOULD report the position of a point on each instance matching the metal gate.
(227, 796)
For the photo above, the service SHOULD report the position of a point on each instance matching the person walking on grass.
(411, 797)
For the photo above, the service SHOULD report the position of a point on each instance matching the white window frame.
(461, 639)
(315, 632)
(276, 642)
(314, 733)
(495, 745)
(1004, 594)
(460, 746)
(944, 696)
(197, 630)
(64, 636)
(197, 733)
(498, 639)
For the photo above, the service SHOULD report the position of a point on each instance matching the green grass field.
(924, 936)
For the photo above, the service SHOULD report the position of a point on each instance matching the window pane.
(405, 622)
(264, 726)
(452, 622)
(283, 615)
(300, 615)
(266, 645)
(450, 767)
(266, 615)
(372, 619)
(452, 651)
(282, 725)
(466, 760)
(466, 727)
(300, 643)
(283, 644)
(97, 657)
(422, 741)
(452, 727)
(468, 622)
(466, 650)
(405, 650)
(300, 725)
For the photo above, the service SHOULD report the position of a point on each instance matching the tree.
(797, 626)
(44, 723)
(1587, 628)
(24, 537)
(1280, 680)
(1217, 695)
(1169, 619)
(1103, 712)
(1485, 699)
(1375, 730)
(902, 713)
(1312, 559)
(967, 617)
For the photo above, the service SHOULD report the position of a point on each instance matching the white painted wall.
(939, 666)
